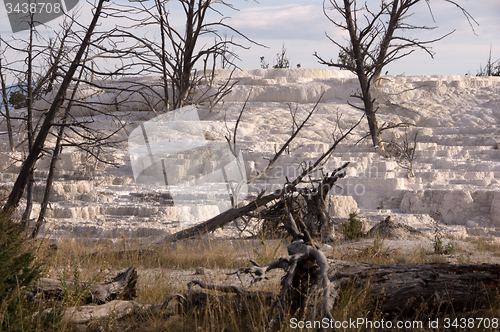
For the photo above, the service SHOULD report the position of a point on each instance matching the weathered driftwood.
(115, 309)
(305, 287)
(121, 287)
(234, 295)
(240, 300)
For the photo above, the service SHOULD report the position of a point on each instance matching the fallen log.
(120, 287)
(399, 289)
(259, 205)
(312, 286)
(262, 200)
(115, 309)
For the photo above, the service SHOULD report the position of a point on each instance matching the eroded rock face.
(495, 208)
(340, 206)
(455, 206)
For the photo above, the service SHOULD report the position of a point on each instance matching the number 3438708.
(33, 8)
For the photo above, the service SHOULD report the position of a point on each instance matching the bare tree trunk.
(364, 81)
(175, 62)
(289, 188)
(164, 55)
(29, 163)
(5, 100)
(312, 285)
(372, 120)
(192, 32)
(29, 127)
(50, 180)
(400, 288)
(56, 59)
(7, 112)
(29, 201)
(53, 162)
(107, 299)
(90, 313)
(221, 219)
(372, 35)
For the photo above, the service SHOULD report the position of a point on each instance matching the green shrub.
(441, 249)
(18, 271)
(353, 229)
(17, 99)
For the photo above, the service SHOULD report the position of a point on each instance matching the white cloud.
(281, 22)
(301, 25)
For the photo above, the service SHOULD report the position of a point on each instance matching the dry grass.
(487, 246)
(92, 257)
(162, 270)
(376, 252)
(165, 270)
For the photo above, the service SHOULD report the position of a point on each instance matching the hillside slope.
(457, 164)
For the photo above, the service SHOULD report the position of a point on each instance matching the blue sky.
(301, 26)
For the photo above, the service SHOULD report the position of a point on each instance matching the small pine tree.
(353, 229)
(18, 271)
(345, 59)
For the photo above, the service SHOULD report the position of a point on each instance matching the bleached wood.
(121, 287)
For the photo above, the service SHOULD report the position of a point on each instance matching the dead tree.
(375, 40)
(31, 86)
(405, 152)
(5, 101)
(115, 309)
(30, 161)
(53, 58)
(492, 68)
(178, 51)
(29, 119)
(112, 298)
(312, 285)
(55, 156)
(273, 206)
(25, 77)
